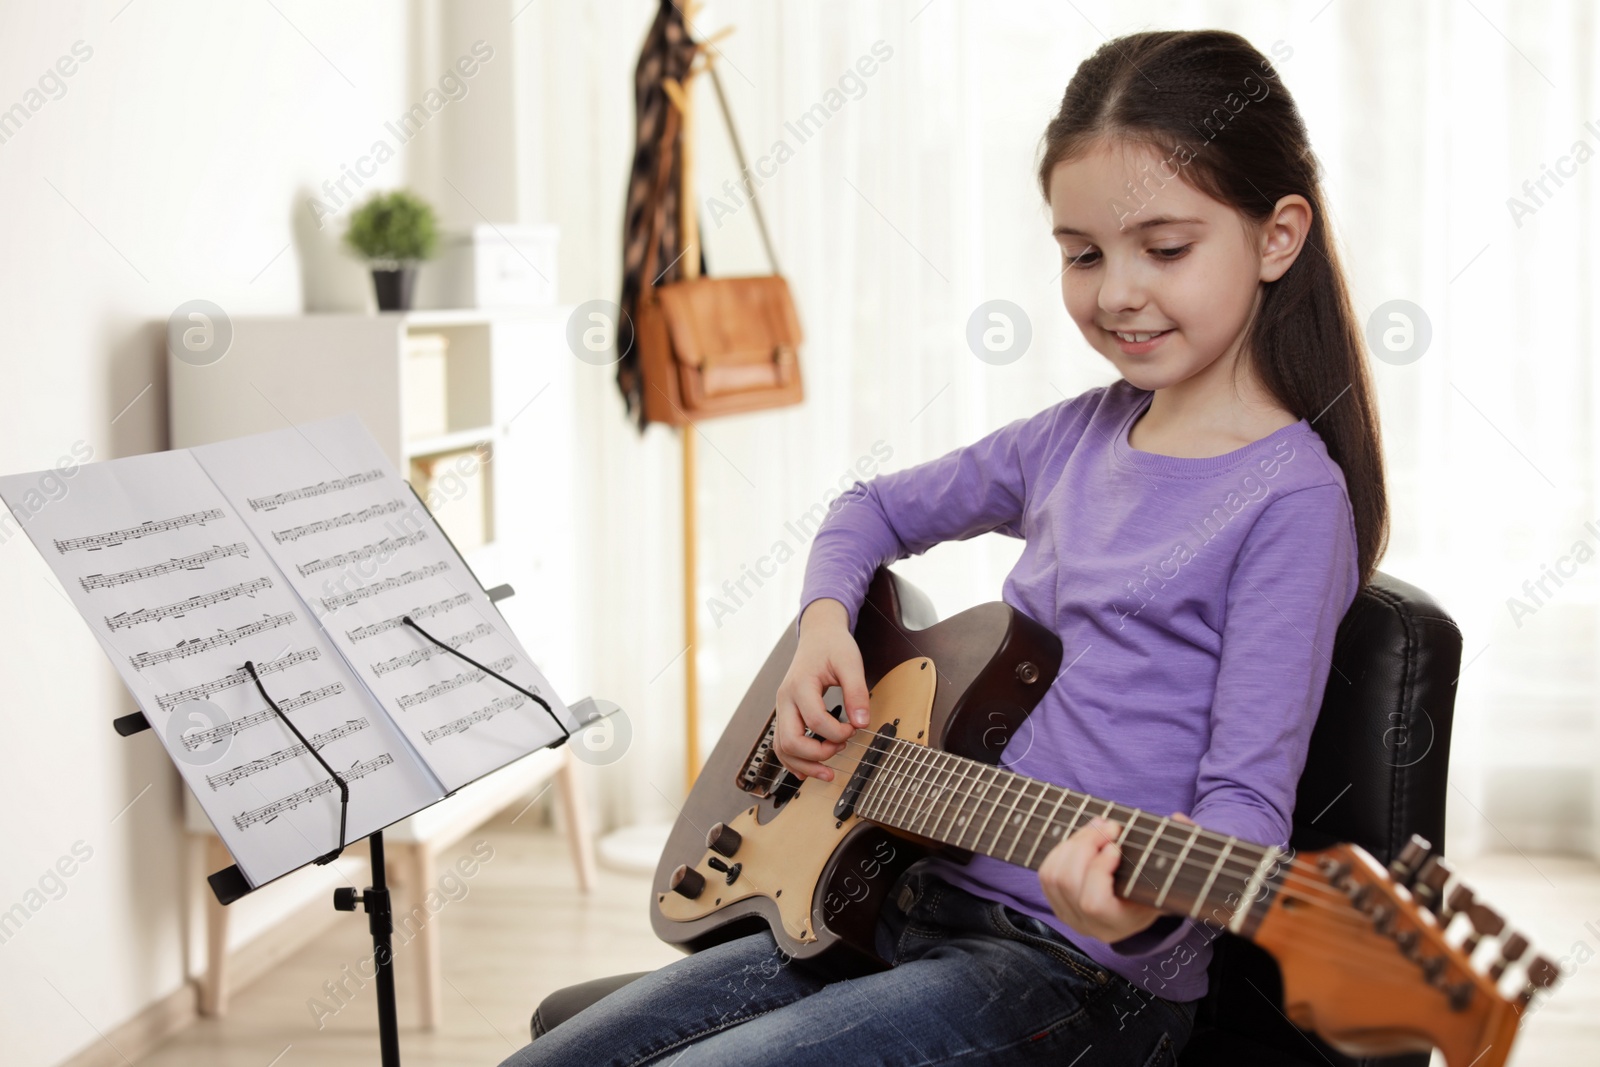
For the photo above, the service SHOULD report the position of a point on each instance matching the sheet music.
(362, 551)
(180, 593)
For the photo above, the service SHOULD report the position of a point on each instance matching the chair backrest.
(1375, 774)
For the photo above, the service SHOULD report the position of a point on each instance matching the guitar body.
(964, 685)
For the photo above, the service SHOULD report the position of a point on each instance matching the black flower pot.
(394, 288)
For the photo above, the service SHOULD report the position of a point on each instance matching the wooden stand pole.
(690, 268)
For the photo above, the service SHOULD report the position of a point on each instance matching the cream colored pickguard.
(783, 859)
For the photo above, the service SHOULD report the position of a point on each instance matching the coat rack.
(688, 223)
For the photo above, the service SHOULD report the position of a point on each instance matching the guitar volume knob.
(687, 882)
(724, 840)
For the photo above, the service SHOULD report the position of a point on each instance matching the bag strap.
(738, 152)
(669, 139)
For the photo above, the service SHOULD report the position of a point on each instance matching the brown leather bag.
(713, 346)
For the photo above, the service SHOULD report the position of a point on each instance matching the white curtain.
(913, 202)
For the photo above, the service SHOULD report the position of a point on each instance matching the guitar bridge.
(763, 774)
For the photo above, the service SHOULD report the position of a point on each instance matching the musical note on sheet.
(272, 759)
(193, 646)
(193, 562)
(268, 812)
(196, 740)
(382, 549)
(450, 685)
(337, 522)
(342, 600)
(113, 538)
(277, 500)
(425, 611)
(423, 655)
(483, 714)
(204, 600)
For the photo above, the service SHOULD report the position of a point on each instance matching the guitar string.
(1338, 908)
(1331, 897)
(1291, 884)
(1243, 866)
(919, 757)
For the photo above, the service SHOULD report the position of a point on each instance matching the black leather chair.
(1375, 775)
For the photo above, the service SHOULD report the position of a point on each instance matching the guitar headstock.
(1379, 961)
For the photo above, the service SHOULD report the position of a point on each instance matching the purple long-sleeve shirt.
(1196, 601)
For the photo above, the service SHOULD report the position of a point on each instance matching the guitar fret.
(1247, 898)
(872, 796)
(1048, 823)
(1027, 823)
(1177, 865)
(914, 781)
(891, 769)
(1072, 824)
(1000, 833)
(952, 769)
(1216, 868)
(930, 762)
(963, 817)
(977, 838)
(1144, 858)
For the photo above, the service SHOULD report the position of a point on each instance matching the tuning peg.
(724, 839)
(1511, 950)
(1542, 974)
(1460, 995)
(1404, 867)
(687, 882)
(1430, 882)
(1486, 922)
(1460, 899)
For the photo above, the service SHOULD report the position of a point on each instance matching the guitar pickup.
(863, 772)
(763, 774)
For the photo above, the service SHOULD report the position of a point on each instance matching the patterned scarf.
(668, 51)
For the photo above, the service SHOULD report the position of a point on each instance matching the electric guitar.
(1372, 958)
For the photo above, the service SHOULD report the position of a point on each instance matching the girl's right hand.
(827, 655)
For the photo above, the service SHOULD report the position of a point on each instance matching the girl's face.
(1168, 261)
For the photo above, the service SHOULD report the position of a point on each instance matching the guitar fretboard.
(1171, 865)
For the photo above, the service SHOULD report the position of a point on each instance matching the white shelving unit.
(502, 473)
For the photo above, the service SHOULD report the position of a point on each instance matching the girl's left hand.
(1077, 880)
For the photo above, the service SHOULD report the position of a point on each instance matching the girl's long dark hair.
(1214, 106)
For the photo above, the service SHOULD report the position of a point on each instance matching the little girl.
(1194, 533)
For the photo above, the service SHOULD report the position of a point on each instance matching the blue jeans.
(973, 982)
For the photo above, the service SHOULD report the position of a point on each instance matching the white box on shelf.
(456, 489)
(493, 265)
(423, 387)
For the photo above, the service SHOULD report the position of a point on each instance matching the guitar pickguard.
(783, 859)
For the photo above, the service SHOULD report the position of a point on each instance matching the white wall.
(174, 163)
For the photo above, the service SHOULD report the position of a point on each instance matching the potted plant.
(393, 232)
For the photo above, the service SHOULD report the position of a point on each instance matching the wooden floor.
(521, 929)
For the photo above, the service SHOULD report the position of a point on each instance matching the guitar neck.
(1171, 865)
